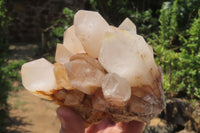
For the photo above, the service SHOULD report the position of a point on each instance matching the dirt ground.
(30, 114)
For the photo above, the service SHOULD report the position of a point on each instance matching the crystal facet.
(128, 25)
(62, 54)
(90, 28)
(128, 56)
(71, 41)
(38, 76)
(84, 76)
(116, 89)
(62, 77)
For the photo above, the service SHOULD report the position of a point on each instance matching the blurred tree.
(4, 86)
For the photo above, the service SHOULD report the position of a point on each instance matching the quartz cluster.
(100, 71)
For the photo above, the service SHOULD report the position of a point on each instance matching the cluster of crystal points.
(100, 70)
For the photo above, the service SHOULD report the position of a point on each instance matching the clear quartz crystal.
(90, 28)
(84, 76)
(128, 25)
(71, 41)
(62, 54)
(129, 56)
(116, 89)
(38, 75)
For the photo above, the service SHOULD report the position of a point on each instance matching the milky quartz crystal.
(101, 71)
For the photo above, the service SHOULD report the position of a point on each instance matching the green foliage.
(189, 59)
(11, 71)
(63, 23)
(177, 47)
(3, 50)
(4, 85)
(111, 10)
(55, 34)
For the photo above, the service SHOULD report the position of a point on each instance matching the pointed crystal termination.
(38, 76)
(71, 41)
(129, 56)
(90, 28)
(116, 89)
(62, 54)
(83, 75)
(62, 77)
(128, 25)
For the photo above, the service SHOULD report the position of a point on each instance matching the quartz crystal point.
(71, 42)
(62, 54)
(116, 90)
(62, 77)
(37, 76)
(90, 28)
(128, 25)
(128, 56)
(83, 75)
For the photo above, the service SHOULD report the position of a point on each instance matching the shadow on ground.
(14, 123)
(5, 119)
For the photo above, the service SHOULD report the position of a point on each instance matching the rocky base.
(179, 116)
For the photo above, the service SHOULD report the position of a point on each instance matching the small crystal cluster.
(100, 71)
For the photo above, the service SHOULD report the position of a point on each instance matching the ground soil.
(30, 114)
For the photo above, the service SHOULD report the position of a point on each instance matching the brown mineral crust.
(91, 114)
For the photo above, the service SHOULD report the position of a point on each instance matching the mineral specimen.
(100, 71)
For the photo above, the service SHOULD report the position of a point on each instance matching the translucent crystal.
(128, 25)
(38, 76)
(129, 56)
(62, 54)
(62, 77)
(90, 28)
(71, 42)
(115, 89)
(139, 106)
(84, 76)
(88, 59)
